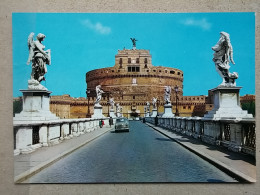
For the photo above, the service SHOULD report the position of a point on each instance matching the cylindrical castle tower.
(133, 81)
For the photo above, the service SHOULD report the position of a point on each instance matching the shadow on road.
(229, 154)
(119, 131)
(164, 139)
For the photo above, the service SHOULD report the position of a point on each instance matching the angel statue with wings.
(222, 57)
(38, 57)
(154, 102)
(134, 42)
(99, 92)
(112, 103)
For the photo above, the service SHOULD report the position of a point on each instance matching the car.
(122, 124)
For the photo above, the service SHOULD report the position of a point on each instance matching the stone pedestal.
(154, 113)
(112, 113)
(98, 112)
(227, 105)
(168, 111)
(147, 114)
(36, 106)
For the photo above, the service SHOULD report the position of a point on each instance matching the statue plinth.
(147, 114)
(98, 111)
(168, 111)
(36, 106)
(227, 105)
(112, 113)
(154, 113)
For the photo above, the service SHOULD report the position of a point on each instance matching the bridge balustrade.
(238, 136)
(28, 136)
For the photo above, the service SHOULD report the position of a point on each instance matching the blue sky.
(81, 42)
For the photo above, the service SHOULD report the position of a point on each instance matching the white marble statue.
(167, 95)
(222, 56)
(99, 92)
(39, 58)
(112, 103)
(154, 101)
(148, 106)
(118, 108)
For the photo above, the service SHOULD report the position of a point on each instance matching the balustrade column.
(43, 134)
(65, 130)
(24, 139)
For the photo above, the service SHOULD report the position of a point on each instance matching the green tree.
(17, 106)
(249, 106)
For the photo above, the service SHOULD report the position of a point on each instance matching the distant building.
(247, 98)
(68, 107)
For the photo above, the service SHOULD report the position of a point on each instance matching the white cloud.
(98, 27)
(202, 23)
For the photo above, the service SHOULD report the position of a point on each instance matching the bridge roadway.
(142, 155)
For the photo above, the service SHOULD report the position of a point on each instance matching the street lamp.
(176, 89)
(158, 104)
(88, 93)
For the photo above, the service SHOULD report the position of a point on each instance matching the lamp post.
(88, 93)
(158, 104)
(176, 89)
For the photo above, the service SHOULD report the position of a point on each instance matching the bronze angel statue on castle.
(38, 56)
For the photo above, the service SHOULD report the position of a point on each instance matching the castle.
(132, 82)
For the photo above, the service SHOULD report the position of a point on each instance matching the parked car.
(122, 124)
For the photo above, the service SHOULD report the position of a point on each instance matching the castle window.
(145, 60)
(120, 61)
(133, 69)
(189, 107)
(129, 60)
(172, 72)
(160, 71)
(179, 73)
(154, 70)
(133, 97)
(137, 60)
(147, 70)
(184, 107)
(145, 66)
(166, 71)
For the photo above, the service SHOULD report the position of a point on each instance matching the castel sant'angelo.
(132, 82)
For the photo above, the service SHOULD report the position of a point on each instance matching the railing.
(31, 135)
(238, 136)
